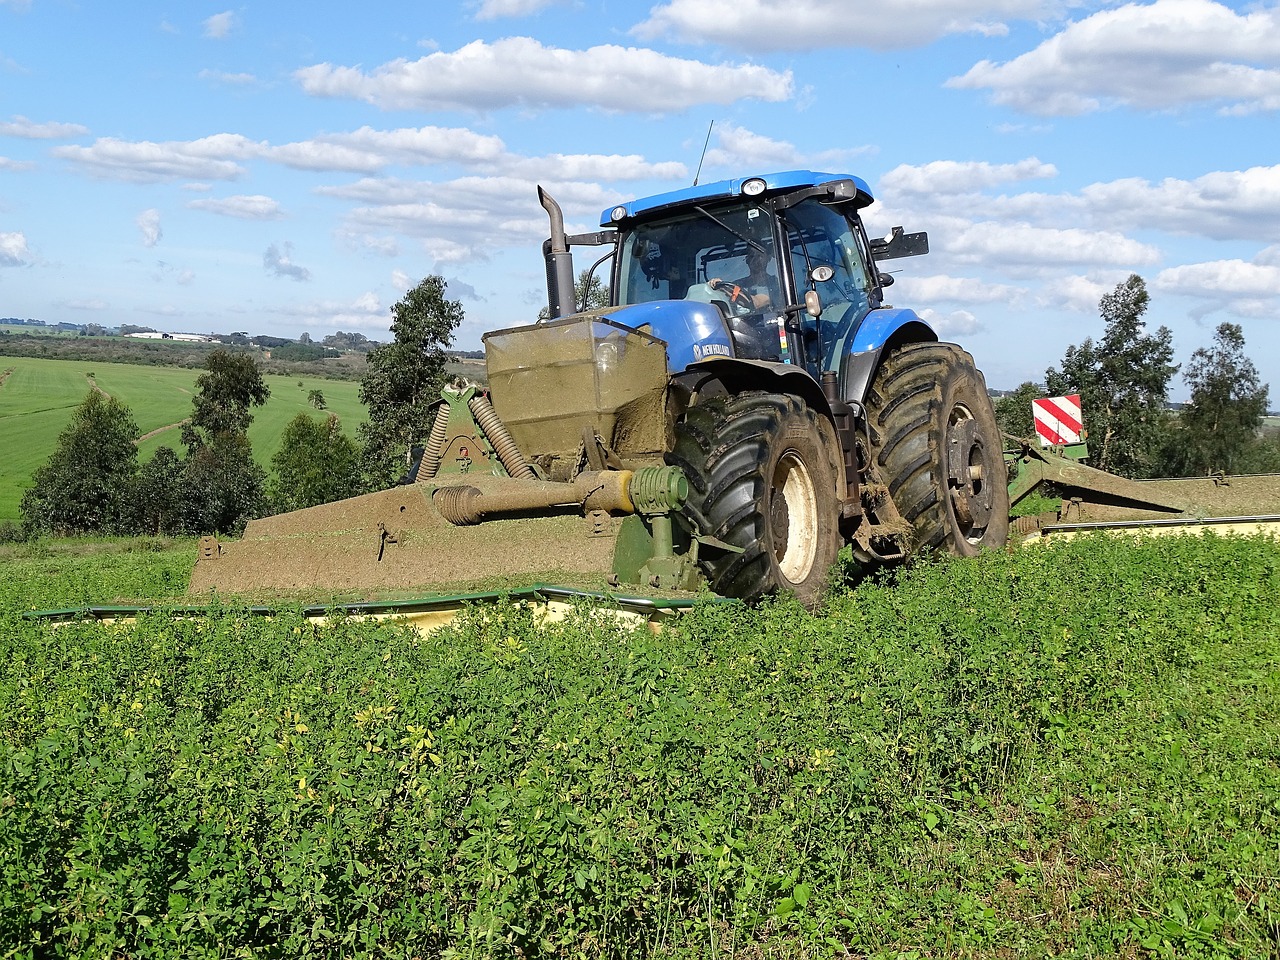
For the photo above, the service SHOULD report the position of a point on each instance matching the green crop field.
(38, 396)
(1071, 750)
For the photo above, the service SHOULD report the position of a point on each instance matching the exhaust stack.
(560, 295)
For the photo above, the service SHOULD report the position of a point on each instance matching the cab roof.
(775, 183)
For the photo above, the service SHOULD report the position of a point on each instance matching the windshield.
(675, 258)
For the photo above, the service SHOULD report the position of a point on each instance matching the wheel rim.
(968, 485)
(793, 518)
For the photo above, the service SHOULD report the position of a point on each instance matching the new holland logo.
(703, 350)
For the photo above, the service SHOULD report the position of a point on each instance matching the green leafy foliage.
(78, 572)
(1218, 427)
(223, 487)
(1123, 382)
(85, 484)
(231, 385)
(316, 463)
(403, 378)
(1062, 751)
(158, 502)
(1013, 411)
(590, 292)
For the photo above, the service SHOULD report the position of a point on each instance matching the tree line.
(93, 482)
(1123, 382)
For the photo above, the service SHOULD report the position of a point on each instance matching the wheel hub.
(779, 523)
(970, 493)
(793, 518)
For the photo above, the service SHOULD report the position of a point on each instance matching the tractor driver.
(755, 291)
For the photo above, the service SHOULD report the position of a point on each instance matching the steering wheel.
(737, 297)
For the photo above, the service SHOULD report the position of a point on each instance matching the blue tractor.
(744, 406)
(804, 411)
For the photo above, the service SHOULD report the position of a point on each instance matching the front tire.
(938, 447)
(762, 472)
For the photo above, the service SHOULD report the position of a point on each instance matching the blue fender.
(877, 330)
(880, 325)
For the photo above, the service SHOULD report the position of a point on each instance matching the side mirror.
(899, 244)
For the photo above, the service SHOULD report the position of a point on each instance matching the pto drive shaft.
(602, 490)
(649, 490)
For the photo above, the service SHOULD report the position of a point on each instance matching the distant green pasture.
(41, 331)
(39, 396)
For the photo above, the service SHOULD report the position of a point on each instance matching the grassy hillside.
(1071, 750)
(38, 396)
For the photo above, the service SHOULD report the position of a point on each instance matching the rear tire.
(762, 472)
(937, 446)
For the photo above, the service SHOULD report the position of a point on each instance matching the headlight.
(617, 214)
(753, 187)
(606, 357)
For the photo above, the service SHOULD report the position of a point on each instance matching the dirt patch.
(159, 430)
(4, 375)
(93, 385)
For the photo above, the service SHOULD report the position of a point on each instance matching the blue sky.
(280, 168)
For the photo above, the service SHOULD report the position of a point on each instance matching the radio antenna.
(704, 153)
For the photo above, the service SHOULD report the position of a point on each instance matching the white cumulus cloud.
(256, 207)
(737, 148)
(949, 289)
(1020, 244)
(1243, 287)
(209, 158)
(952, 177)
(957, 323)
(765, 25)
(148, 222)
(220, 25)
(365, 311)
(497, 9)
(367, 150)
(1225, 204)
(20, 126)
(13, 250)
(233, 79)
(1158, 56)
(1078, 292)
(520, 71)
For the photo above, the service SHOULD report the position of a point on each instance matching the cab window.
(818, 235)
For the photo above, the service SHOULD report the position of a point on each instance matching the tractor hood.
(692, 329)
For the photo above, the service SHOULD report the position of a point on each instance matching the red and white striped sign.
(1058, 419)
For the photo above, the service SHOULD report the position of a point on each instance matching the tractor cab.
(784, 259)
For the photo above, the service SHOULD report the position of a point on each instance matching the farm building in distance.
(189, 337)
